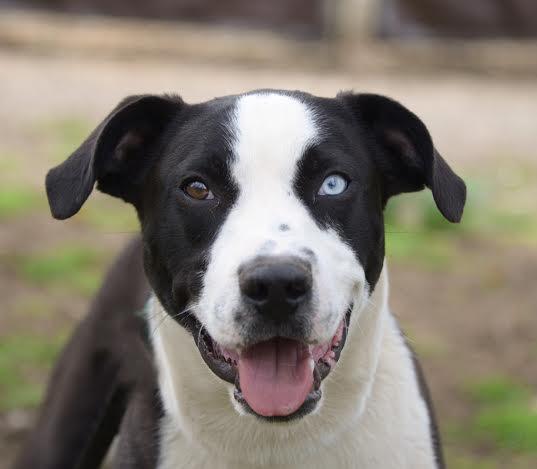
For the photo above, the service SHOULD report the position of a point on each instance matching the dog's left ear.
(116, 155)
(407, 159)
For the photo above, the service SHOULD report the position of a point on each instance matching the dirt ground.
(475, 318)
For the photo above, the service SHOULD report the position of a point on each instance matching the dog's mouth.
(277, 379)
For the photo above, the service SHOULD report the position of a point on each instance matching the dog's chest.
(347, 452)
(178, 453)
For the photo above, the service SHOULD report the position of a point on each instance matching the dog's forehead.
(271, 132)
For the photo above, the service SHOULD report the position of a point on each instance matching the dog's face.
(262, 221)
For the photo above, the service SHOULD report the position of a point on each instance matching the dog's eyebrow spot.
(284, 227)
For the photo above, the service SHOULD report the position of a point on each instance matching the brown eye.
(198, 190)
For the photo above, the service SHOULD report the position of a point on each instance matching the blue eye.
(334, 184)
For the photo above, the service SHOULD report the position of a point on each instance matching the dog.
(256, 330)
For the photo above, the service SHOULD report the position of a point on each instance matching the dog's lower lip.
(227, 369)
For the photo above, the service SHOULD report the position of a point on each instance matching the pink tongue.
(276, 376)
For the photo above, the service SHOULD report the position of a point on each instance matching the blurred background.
(466, 295)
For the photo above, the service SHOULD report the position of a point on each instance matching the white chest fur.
(372, 415)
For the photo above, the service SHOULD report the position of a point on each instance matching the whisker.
(187, 311)
(199, 335)
(166, 316)
(157, 326)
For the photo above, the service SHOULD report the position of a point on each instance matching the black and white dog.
(270, 343)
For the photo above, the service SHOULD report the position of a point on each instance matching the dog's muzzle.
(278, 370)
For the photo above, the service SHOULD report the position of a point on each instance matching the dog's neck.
(198, 404)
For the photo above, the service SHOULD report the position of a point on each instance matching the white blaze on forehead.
(272, 131)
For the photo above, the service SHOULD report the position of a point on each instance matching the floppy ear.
(116, 155)
(407, 159)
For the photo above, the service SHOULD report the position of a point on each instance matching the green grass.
(512, 427)
(504, 419)
(497, 390)
(24, 361)
(16, 201)
(71, 267)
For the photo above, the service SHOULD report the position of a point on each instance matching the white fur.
(271, 132)
(372, 415)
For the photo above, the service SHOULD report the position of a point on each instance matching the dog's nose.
(275, 286)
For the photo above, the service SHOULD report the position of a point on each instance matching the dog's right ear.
(116, 155)
(407, 160)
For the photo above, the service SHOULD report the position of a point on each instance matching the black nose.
(276, 286)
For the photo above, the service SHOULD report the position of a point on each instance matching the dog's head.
(262, 221)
